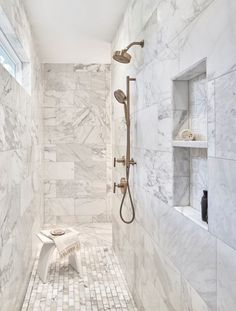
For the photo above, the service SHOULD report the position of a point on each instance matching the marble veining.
(181, 268)
(77, 139)
(21, 145)
(99, 285)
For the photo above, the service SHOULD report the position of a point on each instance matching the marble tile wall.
(21, 187)
(170, 262)
(77, 143)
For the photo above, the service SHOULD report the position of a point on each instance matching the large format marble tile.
(191, 300)
(59, 206)
(226, 283)
(177, 35)
(222, 192)
(21, 140)
(76, 144)
(59, 170)
(211, 135)
(225, 116)
(195, 43)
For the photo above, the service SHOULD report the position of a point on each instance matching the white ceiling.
(73, 31)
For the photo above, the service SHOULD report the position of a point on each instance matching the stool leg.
(44, 261)
(74, 262)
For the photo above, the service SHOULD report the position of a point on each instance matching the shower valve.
(122, 185)
(132, 162)
(122, 160)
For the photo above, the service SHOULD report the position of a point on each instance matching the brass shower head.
(124, 57)
(120, 96)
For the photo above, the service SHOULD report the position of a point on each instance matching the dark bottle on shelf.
(204, 205)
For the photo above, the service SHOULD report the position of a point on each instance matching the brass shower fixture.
(124, 57)
(124, 186)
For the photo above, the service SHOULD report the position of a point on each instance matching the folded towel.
(66, 243)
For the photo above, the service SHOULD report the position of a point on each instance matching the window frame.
(11, 53)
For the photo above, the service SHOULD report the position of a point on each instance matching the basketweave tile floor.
(100, 284)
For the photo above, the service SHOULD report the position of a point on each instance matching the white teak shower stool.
(45, 256)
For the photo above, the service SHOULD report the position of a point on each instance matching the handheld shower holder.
(121, 160)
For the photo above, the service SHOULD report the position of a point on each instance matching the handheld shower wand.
(121, 98)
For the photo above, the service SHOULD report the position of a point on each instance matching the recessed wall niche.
(190, 157)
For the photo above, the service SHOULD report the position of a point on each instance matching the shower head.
(124, 57)
(120, 96)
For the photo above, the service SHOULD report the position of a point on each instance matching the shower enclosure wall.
(21, 143)
(171, 260)
(77, 143)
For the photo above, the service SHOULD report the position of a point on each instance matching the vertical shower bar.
(128, 80)
(128, 122)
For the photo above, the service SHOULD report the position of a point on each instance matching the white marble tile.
(222, 210)
(49, 116)
(225, 116)
(198, 107)
(146, 128)
(94, 205)
(20, 166)
(191, 301)
(195, 43)
(95, 287)
(9, 214)
(27, 194)
(153, 173)
(177, 35)
(59, 170)
(80, 152)
(198, 177)
(50, 153)
(60, 207)
(49, 188)
(211, 135)
(81, 133)
(226, 285)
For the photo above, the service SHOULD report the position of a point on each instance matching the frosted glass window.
(9, 58)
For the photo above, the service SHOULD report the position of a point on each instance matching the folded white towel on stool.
(66, 243)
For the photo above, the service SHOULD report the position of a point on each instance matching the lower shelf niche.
(190, 179)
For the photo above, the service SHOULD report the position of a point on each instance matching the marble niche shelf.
(192, 214)
(190, 157)
(190, 144)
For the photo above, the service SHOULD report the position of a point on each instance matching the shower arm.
(141, 43)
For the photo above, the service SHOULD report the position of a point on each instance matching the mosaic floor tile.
(99, 285)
